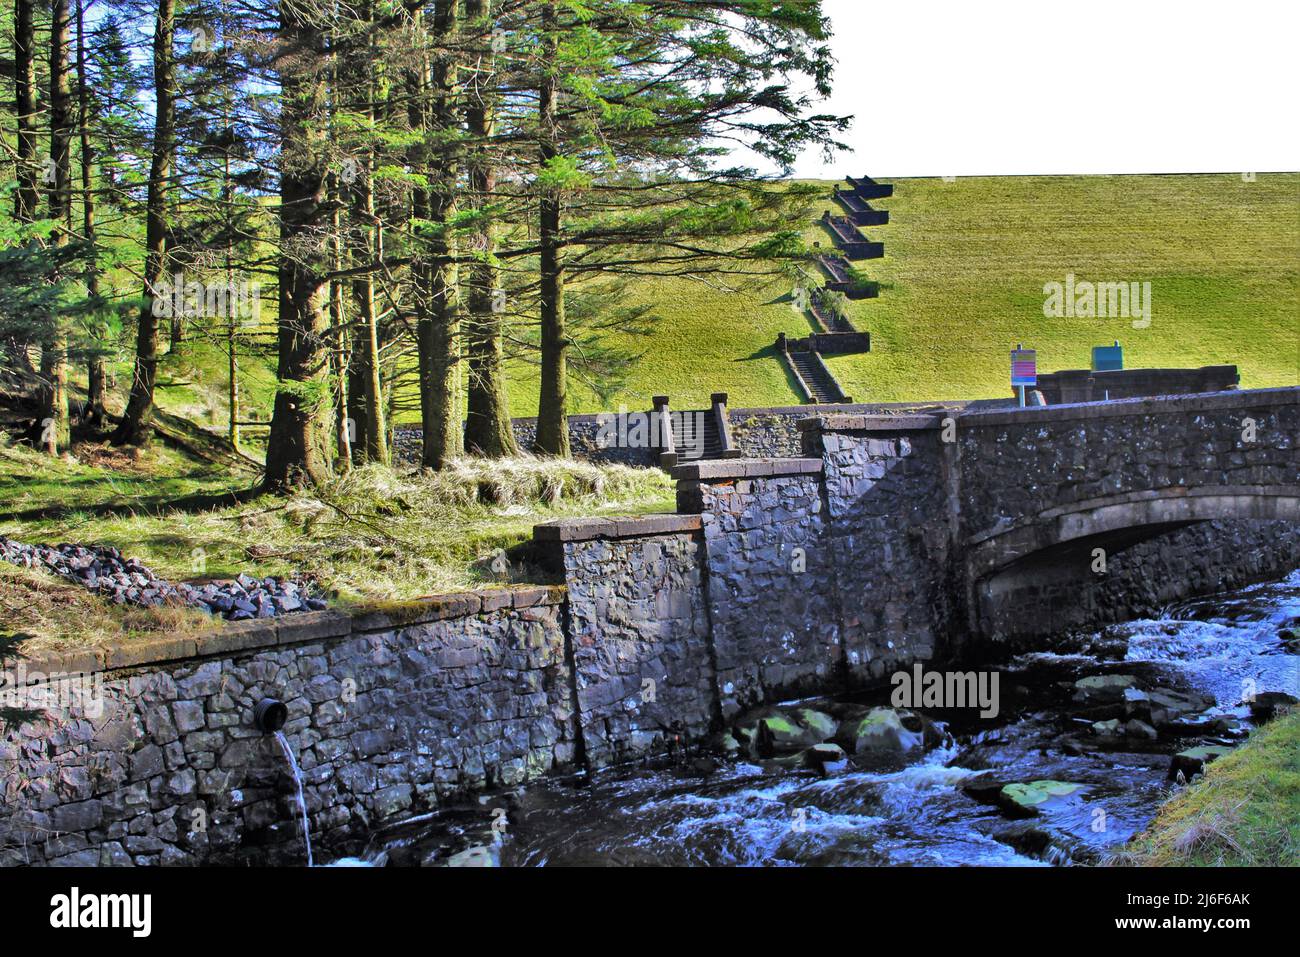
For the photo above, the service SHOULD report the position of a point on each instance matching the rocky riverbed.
(103, 569)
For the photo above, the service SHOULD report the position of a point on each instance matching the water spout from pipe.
(297, 780)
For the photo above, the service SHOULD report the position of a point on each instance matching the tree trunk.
(137, 422)
(27, 195)
(232, 354)
(96, 371)
(54, 418)
(552, 410)
(295, 454)
(437, 330)
(368, 248)
(340, 358)
(488, 430)
(365, 345)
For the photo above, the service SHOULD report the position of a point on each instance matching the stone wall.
(389, 715)
(774, 432)
(639, 627)
(828, 343)
(1084, 385)
(890, 545)
(771, 601)
(583, 431)
(771, 431)
(764, 432)
(392, 713)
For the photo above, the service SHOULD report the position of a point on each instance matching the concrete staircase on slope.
(814, 378)
(835, 333)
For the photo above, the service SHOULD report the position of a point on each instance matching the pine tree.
(137, 422)
(488, 430)
(296, 448)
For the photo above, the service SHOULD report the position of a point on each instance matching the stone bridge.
(907, 536)
(894, 538)
(1015, 504)
(897, 537)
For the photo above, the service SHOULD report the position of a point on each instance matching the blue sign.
(1107, 358)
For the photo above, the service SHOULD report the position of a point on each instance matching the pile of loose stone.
(103, 569)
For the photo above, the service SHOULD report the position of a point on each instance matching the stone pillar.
(769, 577)
(889, 516)
(638, 632)
(664, 426)
(722, 422)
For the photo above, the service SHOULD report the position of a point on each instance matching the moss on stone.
(1033, 793)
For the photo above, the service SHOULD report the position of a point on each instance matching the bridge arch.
(1126, 518)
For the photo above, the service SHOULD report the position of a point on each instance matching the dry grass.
(54, 614)
(377, 534)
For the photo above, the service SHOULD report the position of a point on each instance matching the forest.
(383, 202)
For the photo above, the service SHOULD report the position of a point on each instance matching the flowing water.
(913, 809)
(297, 783)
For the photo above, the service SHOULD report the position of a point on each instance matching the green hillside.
(963, 274)
(964, 268)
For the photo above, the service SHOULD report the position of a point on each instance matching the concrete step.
(824, 388)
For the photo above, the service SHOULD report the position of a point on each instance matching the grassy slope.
(964, 271)
(1244, 812)
(103, 476)
(373, 535)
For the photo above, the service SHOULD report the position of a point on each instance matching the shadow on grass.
(773, 354)
(153, 505)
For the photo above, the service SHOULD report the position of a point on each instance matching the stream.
(1108, 744)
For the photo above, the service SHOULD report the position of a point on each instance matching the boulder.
(773, 732)
(1268, 704)
(1290, 638)
(1165, 707)
(1136, 730)
(986, 790)
(1033, 798)
(818, 722)
(480, 855)
(1193, 761)
(883, 731)
(825, 758)
(1110, 730)
(1103, 689)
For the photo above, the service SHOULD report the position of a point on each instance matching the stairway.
(835, 333)
(827, 320)
(849, 240)
(688, 443)
(859, 211)
(821, 385)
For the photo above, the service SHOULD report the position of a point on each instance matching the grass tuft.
(1244, 812)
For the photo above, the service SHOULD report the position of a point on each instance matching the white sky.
(969, 87)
